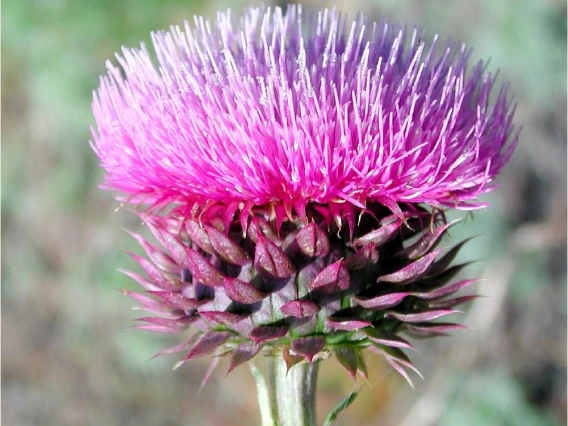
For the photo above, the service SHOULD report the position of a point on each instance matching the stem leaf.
(263, 398)
(346, 402)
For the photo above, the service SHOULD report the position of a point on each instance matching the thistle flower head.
(294, 108)
(303, 161)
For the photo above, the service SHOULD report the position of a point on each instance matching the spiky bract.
(306, 288)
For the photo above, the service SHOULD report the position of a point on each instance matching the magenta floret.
(295, 108)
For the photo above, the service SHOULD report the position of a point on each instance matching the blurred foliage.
(504, 404)
(67, 357)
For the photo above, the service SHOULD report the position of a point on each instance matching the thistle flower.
(296, 167)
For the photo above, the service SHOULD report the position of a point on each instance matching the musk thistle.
(296, 169)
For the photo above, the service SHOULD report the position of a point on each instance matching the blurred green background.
(68, 355)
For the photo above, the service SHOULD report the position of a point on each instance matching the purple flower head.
(294, 108)
(302, 163)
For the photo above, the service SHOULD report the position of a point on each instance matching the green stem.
(291, 394)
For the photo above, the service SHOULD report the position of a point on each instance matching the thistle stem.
(291, 394)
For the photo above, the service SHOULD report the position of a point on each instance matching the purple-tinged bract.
(296, 108)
